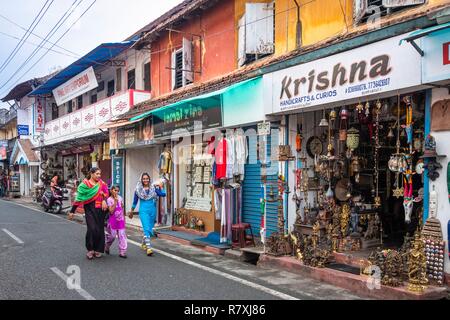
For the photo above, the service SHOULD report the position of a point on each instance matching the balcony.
(85, 122)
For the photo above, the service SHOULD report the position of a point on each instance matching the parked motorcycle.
(52, 200)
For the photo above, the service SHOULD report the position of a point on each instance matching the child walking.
(116, 223)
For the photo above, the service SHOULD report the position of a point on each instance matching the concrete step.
(357, 284)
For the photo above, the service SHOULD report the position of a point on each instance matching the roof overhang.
(422, 33)
(99, 56)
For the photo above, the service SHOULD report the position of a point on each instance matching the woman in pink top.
(116, 223)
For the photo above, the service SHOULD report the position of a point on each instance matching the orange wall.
(217, 55)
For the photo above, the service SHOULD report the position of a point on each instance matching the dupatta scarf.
(87, 192)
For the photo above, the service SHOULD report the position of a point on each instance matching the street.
(40, 251)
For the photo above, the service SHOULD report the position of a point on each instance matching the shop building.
(103, 84)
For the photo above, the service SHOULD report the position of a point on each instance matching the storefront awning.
(98, 56)
(421, 33)
(205, 100)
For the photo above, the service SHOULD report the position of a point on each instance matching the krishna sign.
(379, 67)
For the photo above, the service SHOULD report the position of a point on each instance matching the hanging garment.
(223, 220)
(241, 153)
(165, 162)
(231, 156)
(218, 203)
(221, 159)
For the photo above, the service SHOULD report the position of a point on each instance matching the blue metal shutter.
(251, 210)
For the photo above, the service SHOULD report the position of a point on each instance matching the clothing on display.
(231, 209)
(165, 162)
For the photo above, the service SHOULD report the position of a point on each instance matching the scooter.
(52, 200)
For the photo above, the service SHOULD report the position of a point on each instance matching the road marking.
(81, 291)
(13, 236)
(223, 274)
(194, 264)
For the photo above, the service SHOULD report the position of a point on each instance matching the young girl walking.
(116, 222)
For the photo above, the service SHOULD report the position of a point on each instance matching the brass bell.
(323, 123)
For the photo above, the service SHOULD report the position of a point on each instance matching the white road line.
(9, 233)
(194, 264)
(223, 274)
(81, 291)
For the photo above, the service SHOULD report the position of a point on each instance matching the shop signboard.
(137, 134)
(166, 121)
(372, 69)
(436, 61)
(39, 115)
(117, 172)
(2, 153)
(81, 83)
(23, 130)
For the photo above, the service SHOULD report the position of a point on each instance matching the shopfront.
(357, 125)
(208, 138)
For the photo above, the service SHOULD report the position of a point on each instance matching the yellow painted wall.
(320, 20)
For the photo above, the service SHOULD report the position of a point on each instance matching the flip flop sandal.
(98, 255)
(90, 256)
(149, 252)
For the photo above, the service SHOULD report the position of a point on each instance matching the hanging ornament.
(344, 114)
(353, 138)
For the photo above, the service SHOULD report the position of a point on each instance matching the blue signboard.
(117, 173)
(23, 130)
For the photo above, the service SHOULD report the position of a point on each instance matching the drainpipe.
(286, 175)
(298, 26)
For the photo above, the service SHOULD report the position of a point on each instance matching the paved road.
(36, 250)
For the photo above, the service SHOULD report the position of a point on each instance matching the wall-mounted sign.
(2, 153)
(23, 130)
(39, 115)
(264, 128)
(401, 3)
(166, 121)
(375, 68)
(117, 172)
(81, 83)
(137, 134)
(436, 61)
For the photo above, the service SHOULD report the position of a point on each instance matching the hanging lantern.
(333, 115)
(323, 123)
(390, 134)
(329, 193)
(344, 114)
(353, 139)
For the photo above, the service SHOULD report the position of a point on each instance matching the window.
(93, 98)
(182, 66)
(69, 106)
(80, 102)
(118, 80)
(178, 72)
(55, 111)
(101, 86)
(146, 72)
(370, 10)
(256, 32)
(110, 88)
(131, 76)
